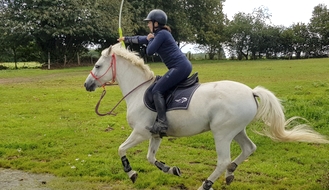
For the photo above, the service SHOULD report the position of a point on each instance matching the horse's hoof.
(201, 188)
(176, 171)
(229, 179)
(134, 177)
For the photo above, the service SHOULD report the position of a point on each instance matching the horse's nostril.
(85, 85)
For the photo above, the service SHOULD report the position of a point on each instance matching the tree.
(257, 37)
(240, 29)
(207, 20)
(105, 21)
(319, 28)
(15, 36)
(301, 34)
(272, 41)
(287, 39)
(65, 28)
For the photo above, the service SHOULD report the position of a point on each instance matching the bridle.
(113, 66)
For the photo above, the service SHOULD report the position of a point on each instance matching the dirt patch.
(19, 180)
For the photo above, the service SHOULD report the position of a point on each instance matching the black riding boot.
(161, 125)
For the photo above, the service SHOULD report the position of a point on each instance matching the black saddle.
(189, 81)
(176, 98)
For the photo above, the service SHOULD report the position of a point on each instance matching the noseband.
(113, 66)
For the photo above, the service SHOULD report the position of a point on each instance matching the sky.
(284, 12)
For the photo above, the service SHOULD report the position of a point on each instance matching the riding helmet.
(157, 15)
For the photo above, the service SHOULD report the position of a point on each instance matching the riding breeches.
(172, 78)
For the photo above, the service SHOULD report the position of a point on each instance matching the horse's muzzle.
(90, 87)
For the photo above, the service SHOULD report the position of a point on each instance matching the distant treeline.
(63, 31)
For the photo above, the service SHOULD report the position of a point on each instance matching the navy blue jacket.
(163, 44)
(166, 47)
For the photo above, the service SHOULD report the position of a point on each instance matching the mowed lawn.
(11, 65)
(48, 125)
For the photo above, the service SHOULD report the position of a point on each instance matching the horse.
(225, 108)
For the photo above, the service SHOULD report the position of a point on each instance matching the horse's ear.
(109, 51)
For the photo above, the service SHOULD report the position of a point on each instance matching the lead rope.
(110, 112)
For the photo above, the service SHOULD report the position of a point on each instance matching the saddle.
(176, 98)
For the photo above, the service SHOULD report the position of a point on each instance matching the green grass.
(48, 125)
(11, 65)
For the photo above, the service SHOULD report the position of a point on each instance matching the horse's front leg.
(133, 139)
(153, 148)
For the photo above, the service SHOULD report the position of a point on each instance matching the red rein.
(113, 66)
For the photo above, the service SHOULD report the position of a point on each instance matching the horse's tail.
(270, 111)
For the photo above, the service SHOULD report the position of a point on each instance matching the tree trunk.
(298, 54)
(15, 58)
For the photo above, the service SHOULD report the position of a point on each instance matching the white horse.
(224, 107)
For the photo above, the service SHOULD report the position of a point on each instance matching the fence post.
(48, 60)
(78, 58)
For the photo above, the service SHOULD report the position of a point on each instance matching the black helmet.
(158, 16)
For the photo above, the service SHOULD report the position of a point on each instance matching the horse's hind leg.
(153, 148)
(247, 147)
(223, 158)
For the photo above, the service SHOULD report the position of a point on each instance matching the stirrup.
(159, 128)
(163, 134)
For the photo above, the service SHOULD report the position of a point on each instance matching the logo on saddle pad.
(182, 100)
(177, 98)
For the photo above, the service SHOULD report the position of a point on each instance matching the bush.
(2, 67)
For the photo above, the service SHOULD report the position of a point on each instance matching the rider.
(161, 41)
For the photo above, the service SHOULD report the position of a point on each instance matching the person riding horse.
(161, 41)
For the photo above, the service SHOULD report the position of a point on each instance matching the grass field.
(48, 125)
(22, 65)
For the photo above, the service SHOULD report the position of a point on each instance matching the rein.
(110, 112)
(113, 66)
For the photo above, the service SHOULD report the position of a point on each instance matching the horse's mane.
(131, 56)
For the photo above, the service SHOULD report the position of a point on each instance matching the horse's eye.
(97, 66)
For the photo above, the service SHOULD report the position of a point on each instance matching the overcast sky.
(284, 12)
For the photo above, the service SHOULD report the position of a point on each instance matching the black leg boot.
(161, 125)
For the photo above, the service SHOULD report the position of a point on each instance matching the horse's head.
(103, 71)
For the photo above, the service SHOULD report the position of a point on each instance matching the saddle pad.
(178, 99)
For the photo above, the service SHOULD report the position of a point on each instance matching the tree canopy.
(251, 34)
(34, 29)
